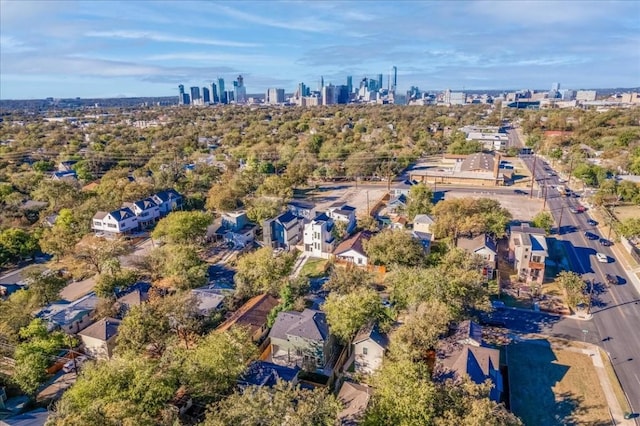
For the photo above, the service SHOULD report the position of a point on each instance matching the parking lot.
(521, 206)
(365, 195)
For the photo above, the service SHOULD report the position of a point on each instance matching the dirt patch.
(626, 212)
(551, 385)
(360, 198)
(521, 207)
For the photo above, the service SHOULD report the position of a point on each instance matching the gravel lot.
(521, 206)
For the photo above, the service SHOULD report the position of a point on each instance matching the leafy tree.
(421, 330)
(419, 200)
(44, 285)
(18, 243)
(543, 220)
(223, 198)
(43, 166)
(33, 356)
(213, 366)
(15, 313)
(630, 227)
(108, 282)
(368, 223)
(262, 271)
(574, 288)
(125, 391)
(394, 248)
(339, 230)
(348, 280)
(470, 216)
(96, 251)
(347, 313)
(276, 186)
(286, 304)
(261, 405)
(260, 209)
(144, 328)
(460, 146)
(63, 236)
(179, 265)
(182, 227)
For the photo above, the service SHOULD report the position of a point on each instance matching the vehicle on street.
(581, 209)
(591, 236)
(520, 192)
(592, 222)
(612, 279)
(605, 242)
(573, 210)
(602, 258)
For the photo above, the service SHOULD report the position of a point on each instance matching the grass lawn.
(314, 268)
(554, 386)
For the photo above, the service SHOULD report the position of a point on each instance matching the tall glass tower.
(221, 93)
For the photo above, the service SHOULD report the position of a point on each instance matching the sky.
(103, 48)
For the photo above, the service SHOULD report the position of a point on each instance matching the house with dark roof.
(263, 373)
(342, 212)
(403, 188)
(147, 210)
(352, 250)
(318, 237)
(528, 251)
(484, 246)
(397, 204)
(235, 227)
(70, 317)
(369, 346)
(67, 176)
(302, 339)
(37, 417)
(252, 316)
(168, 201)
(134, 295)
(121, 221)
(210, 298)
(66, 166)
(283, 231)
(99, 338)
(465, 354)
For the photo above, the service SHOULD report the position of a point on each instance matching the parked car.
(612, 279)
(591, 235)
(592, 222)
(605, 242)
(573, 210)
(602, 258)
(581, 209)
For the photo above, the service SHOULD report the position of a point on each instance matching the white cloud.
(9, 44)
(167, 38)
(302, 24)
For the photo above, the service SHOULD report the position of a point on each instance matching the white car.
(602, 257)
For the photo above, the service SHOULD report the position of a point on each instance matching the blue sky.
(146, 48)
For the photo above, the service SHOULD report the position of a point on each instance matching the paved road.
(616, 309)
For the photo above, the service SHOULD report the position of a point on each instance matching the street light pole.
(560, 221)
(590, 297)
(533, 175)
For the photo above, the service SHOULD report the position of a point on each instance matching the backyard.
(553, 384)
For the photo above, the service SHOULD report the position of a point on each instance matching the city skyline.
(119, 49)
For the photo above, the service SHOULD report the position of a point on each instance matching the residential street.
(616, 308)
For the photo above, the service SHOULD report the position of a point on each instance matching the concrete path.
(297, 268)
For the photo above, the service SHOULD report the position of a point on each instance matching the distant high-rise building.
(350, 84)
(379, 81)
(195, 93)
(239, 91)
(555, 87)
(302, 91)
(328, 95)
(274, 96)
(181, 94)
(185, 99)
(214, 94)
(205, 95)
(222, 94)
(228, 95)
(342, 94)
(394, 72)
(373, 85)
(321, 84)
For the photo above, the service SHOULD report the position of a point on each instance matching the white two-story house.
(528, 251)
(119, 221)
(147, 210)
(318, 238)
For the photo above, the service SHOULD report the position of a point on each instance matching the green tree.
(262, 271)
(182, 227)
(96, 252)
(261, 405)
(63, 236)
(44, 285)
(259, 209)
(630, 227)
(347, 313)
(18, 243)
(35, 353)
(574, 288)
(179, 265)
(126, 391)
(543, 220)
(419, 200)
(145, 328)
(222, 197)
(394, 248)
(276, 186)
(348, 280)
(368, 223)
(116, 277)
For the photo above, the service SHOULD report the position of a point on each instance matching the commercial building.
(586, 95)
(480, 169)
(274, 96)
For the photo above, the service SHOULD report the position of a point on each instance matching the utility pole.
(590, 297)
(546, 192)
(560, 221)
(368, 211)
(570, 171)
(533, 175)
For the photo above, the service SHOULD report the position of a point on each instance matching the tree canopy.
(182, 227)
(394, 248)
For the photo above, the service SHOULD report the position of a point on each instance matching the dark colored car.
(520, 192)
(592, 222)
(591, 235)
(605, 242)
(612, 279)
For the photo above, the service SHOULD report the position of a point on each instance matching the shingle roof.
(167, 195)
(478, 161)
(104, 329)
(423, 218)
(100, 215)
(145, 204)
(309, 324)
(355, 398)
(476, 243)
(371, 331)
(353, 243)
(122, 214)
